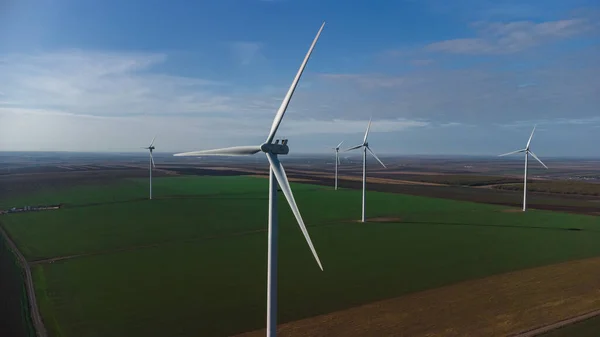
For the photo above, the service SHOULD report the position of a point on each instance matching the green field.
(194, 259)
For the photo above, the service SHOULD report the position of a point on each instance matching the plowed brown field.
(499, 305)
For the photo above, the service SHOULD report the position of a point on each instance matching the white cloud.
(97, 83)
(100, 101)
(511, 37)
(451, 124)
(564, 87)
(31, 129)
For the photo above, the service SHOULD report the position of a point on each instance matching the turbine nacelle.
(280, 147)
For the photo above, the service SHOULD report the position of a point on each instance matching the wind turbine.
(151, 147)
(272, 148)
(365, 147)
(337, 162)
(527, 153)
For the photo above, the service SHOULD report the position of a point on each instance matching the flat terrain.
(572, 196)
(112, 263)
(499, 305)
(586, 328)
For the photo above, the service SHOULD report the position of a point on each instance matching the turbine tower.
(272, 148)
(527, 153)
(337, 162)
(151, 147)
(365, 147)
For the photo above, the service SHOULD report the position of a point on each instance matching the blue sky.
(439, 77)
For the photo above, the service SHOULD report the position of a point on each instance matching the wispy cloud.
(478, 94)
(56, 98)
(451, 124)
(246, 52)
(95, 83)
(421, 62)
(366, 80)
(589, 121)
(39, 129)
(511, 37)
(344, 126)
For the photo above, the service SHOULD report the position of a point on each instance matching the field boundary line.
(554, 326)
(38, 323)
(164, 243)
(152, 245)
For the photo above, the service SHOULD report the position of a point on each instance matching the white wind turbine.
(365, 147)
(272, 148)
(527, 153)
(151, 148)
(337, 162)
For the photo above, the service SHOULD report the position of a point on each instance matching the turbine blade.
(287, 191)
(529, 141)
(538, 159)
(354, 148)
(288, 96)
(152, 142)
(338, 160)
(228, 151)
(374, 155)
(340, 144)
(152, 159)
(506, 154)
(367, 133)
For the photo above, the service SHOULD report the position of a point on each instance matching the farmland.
(557, 187)
(586, 328)
(15, 322)
(112, 263)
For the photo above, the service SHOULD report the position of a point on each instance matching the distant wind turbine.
(527, 153)
(365, 147)
(337, 162)
(272, 148)
(151, 148)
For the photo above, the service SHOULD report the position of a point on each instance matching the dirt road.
(33, 307)
(550, 327)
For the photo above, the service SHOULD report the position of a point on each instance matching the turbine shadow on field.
(430, 223)
(247, 196)
(238, 196)
(371, 221)
(92, 204)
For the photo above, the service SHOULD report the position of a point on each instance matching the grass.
(112, 217)
(202, 264)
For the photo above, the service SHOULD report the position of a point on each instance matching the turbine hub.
(279, 147)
